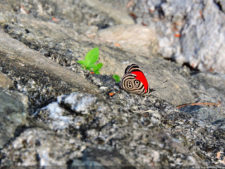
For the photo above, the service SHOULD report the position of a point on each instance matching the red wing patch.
(141, 77)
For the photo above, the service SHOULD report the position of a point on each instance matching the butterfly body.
(134, 80)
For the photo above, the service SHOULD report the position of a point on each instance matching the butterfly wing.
(134, 80)
(141, 77)
(131, 68)
(125, 81)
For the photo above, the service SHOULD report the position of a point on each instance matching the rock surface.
(188, 31)
(54, 113)
(13, 115)
(5, 82)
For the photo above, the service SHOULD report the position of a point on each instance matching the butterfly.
(134, 80)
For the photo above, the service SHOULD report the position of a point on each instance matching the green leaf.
(82, 62)
(90, 61)
(89, 67)
(116, 78)
(92, 56)
(97, 73)
(97, 67)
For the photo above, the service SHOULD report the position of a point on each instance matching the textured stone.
(188, 31)
(17, 60)
(81, 119)
(169, 84)
(42, 148)
(133, 38)
(13, 115)
(5, 82)
(210, 89)
(115, 10)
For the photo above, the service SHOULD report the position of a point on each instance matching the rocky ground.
(188, 31)
(55, 113)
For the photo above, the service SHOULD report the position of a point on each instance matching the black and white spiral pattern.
(132, 68)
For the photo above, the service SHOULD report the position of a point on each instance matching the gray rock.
(36, 75)
(175, 90)
(137, 39)
(85, 119)
(220, 4)
(66, 113)
(42, 148)
(116, 10)
(13, 115)
(137, 126)
(129, 123)
(46, 149)
(5, 82)
(77, 102)
(188, 32)
(97, 158)
(210, 89)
